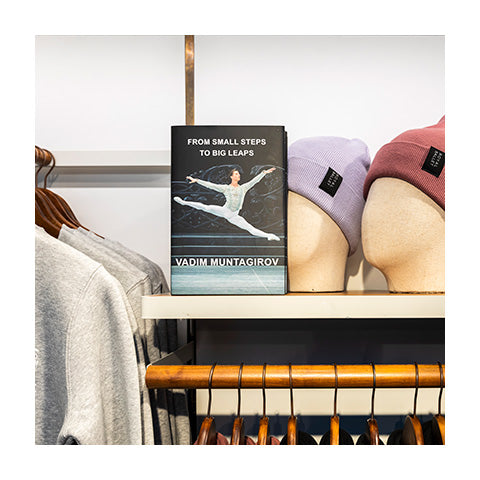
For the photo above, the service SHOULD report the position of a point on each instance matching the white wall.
(110, 93)
(369, 87)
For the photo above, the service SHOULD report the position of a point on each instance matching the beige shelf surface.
(352, 304)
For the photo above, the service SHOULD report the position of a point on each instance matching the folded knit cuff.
(330, 172)
(405, 161)
(345, 209)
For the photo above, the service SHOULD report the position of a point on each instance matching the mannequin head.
(325, 203)
(317, 248)
(403, 235)
(403, 224)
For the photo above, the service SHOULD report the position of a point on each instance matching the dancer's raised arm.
(210, 185)
(255, 180)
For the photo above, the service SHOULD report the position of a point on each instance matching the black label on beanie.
(434, 162)
(331, 182)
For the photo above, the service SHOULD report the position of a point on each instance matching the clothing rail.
(303, 376)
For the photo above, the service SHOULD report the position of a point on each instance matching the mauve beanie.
(417, 157)
(330, 172)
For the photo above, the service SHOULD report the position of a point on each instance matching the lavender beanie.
(330, 172)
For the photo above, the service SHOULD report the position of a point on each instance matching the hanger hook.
(210, 388)
(239, 387)
(416, 390)
(374, 387)
(291, 388)
(36, 175)
(442, 385)
(51, 168)
(263, 388)
(41, 155)
(336, 390)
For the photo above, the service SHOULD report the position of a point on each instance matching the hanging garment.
(154, 272)
(136, 284)
(86, 377)
(179, 414)
(395, 438)
(345, 438)
(271, 441)
(430, 435)
(303, 438)
(120, 272)
(221, 440)
(364, 440)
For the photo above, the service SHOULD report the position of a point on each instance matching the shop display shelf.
(350, 304)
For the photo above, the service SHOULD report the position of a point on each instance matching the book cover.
(228, 210)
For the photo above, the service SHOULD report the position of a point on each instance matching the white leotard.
(234, 195)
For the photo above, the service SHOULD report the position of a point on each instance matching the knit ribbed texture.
(309, 160)
(404, 157)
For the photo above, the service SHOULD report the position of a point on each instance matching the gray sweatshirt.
(179, 416)
(86, 378)
(136, 284)
(154, 272)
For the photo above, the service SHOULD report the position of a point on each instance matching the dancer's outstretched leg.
(214, 209)
(232, 217)
(242, 223)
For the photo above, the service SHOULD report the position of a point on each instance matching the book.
(228, 210)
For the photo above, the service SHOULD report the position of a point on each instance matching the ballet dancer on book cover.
(235, 195)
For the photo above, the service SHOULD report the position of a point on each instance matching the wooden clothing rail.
(303, 376)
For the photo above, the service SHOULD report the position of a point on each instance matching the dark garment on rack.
(221, 440)
(271, 441)
(303, 438)
(395, 438)
(429, 437)
(345, 438)
(363, 440)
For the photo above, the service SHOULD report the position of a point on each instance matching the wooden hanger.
(62, 203)
(208, 430)
(371, 435)
(238, 431)
(438, 420)
(56, 205)
(56, 200)
(336, 435)
(264, 427)
(47, 214)
(50, 226)
(334, 420)
(53, 208)
(44, 217)
(412, 433)
(372, 426)
(292, 431)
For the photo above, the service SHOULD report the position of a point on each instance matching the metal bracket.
(180, 356)
(189, 80)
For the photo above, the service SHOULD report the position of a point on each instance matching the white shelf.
(112, 158)
(374, 304)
